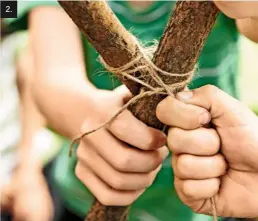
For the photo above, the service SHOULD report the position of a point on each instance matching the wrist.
(64, 102)
(80, 103)
(27, 160)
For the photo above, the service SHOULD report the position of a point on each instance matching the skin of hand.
(119, 162)
(245, 13)
(29, 197)
(214, 144)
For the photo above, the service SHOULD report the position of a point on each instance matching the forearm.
(31, 120)
(61, 89)
(64, 103)
(249, 28)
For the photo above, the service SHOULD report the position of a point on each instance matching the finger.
(122, 157)
(124, 92)
(114, 178)
(129, 129)
(224, 109)
(201, 141)
(198, 167)
(191, 191)
(105, 194)
(176, 113)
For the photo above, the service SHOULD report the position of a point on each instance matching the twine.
(213, 209)
(135, 65)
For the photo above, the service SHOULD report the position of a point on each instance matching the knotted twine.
(127, 71)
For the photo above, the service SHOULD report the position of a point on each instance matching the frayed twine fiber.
(142, 63)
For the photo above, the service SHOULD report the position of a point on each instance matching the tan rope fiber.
(154, 72)
(213, 209)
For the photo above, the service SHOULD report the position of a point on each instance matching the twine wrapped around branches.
(177, 52)
(154, 73)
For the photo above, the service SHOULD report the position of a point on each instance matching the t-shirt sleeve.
(23, 9)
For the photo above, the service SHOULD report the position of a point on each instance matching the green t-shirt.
(218, 65)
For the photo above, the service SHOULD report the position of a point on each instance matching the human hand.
(219, 161)
(246, 15)
(119, 162)
(238, 9)
(30, 196)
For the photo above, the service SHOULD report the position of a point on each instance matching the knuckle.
(155, 160)
(214, 142)
(193, 120)
(223, 165)
(187, 189)
(210, 89)
(156, 139)
(118, 183)
(106, 198)
(183, 166)
(123, 163)
(78, 172)
(211, 165)
(173, 139)
(82, 154)
(158, 157)
(118, 127)
(130, 201)
(151, 179)
(79, 153)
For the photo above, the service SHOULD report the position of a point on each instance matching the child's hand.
(221, 161)
(238, 9)
(119, 162)
(246, 15)
(29, 196)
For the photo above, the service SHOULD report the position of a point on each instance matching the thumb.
(224, 109)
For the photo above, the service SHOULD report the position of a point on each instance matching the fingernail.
(204, 118)
(184, 95)
(163, 140)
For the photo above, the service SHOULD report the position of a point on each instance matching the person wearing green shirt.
(70, 93)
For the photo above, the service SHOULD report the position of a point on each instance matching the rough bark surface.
(105, 32)
(178, 51)
(99, 212)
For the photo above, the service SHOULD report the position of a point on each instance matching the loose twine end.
(142, 63)
(213, 209)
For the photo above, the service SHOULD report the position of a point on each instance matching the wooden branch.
(105, 32)
(177, 52)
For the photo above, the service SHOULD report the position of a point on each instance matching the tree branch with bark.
(178, 52)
